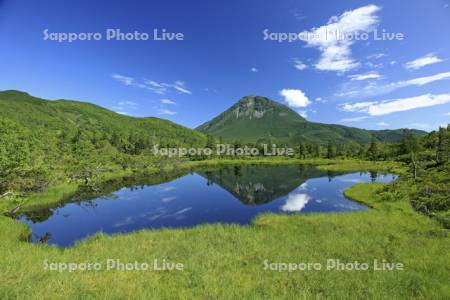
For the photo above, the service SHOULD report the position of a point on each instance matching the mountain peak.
(256, 107)
(260, 119)
(254, 116)
(255, 98)
(258, 100)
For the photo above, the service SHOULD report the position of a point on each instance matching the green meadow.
(247, 262)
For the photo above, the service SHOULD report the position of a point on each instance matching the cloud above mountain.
(160, 88)
(295, 97)
(379, 108)
(335, 50)
(366, 76)
(354, 88)
(421, 62)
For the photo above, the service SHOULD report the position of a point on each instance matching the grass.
(363, 165)
(55, 194)
(64, 191)
(226, 261)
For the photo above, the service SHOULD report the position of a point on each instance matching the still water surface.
(227, 194)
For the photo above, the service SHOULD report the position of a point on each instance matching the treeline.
(434, 146)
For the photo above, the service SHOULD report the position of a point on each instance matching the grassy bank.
(226, 261)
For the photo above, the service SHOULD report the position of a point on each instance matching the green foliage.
(443, 145)
(14, 148)
(21, 159)
(331, 152)
(302, 151)
(373, 149)
(43, 142)
(393, 192)
(431, 195)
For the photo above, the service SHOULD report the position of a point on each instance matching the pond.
(226, 194)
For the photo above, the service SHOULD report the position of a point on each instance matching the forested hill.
(258, 119)
(65, 118)
(47, 142)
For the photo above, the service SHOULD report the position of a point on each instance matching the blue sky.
(356, 80)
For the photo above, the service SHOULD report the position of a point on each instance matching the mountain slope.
(259, 119)
(45, 143)
(253, 118)
(68, 116)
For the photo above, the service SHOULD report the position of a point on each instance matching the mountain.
(259, 119)
(67, 117)
(251, 119)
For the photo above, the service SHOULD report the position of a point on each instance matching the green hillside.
(259, 119)
(46, 142)
(66, 116)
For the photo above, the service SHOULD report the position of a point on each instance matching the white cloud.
(355, 89)
(355, 119)
(376, 56)
(335, 50)
(320, 100)
(379, 108)
(423, 61)
(393, 62)
(156, 87)
(298, 64)
(374, 65)
(127, 103)
(383, 124)
(447, 114)
(167, 101)
(295, 202)
(159, 88)
(123, 106)
(254, 70)
(424, 80)
(123, 79)
(356, 107)
(369, 75)
(162, 111)
(295, 98)
(303, 113)
(180, 86)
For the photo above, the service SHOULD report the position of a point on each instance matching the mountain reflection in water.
(220, 194)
